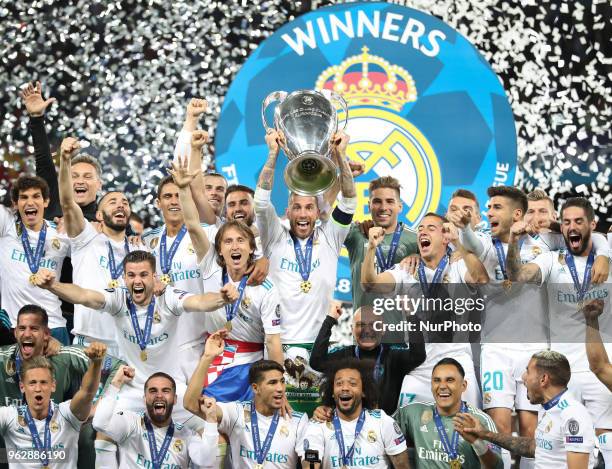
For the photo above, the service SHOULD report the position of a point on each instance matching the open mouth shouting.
(574, 239)
(424, 243)
(345, 401)
(80, 191)
(27, 348)
(30, 214)
(444, 396)
(235, 257)
(138, 293)
(38, 399)
(159, 408)
(120, 215)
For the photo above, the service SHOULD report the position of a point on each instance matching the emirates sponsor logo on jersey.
(272, 457)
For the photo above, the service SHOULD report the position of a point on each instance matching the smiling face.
(168, 203)
(214, 191)
(270, 390)
(447, 386)
(533, 380)
(31, 335)
(502, 214)
(160, 398)
(85, 183)
(139, 279)
(303, 213)
(31, 207)
(577, 229)
(38, 384)
(239, 206)
(363, 328)
(430, 238)
(236, 249)
(114, 211)
(348, 391)
(385, 206)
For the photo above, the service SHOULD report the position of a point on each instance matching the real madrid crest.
(190, 248)
(154, 242)
(55, 244)
(536, 250)
(284, 430)
(156, 317)
(178, 445)
(54, 426)
(426, 417)
(9, 367)
(372, 436)
(246, 302)
(21, 420)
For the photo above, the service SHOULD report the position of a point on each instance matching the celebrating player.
(596, 351)
(42, 427)
(564, 435)
(166, 443)
(430, 425)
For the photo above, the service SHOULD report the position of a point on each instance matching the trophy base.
(310, 174)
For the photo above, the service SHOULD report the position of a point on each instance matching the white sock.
(106, 454)
(506, 458)
(526, 463)
(605, 446)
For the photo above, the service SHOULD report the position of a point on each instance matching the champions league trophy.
(308, 120)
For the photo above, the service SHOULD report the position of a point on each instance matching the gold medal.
(33, 279)
(143, 355)
(165, 279)
(228, 326)
(305, 286)
(507, 284)
(114, 283)
(580, 305)
(258, 466)
(455, 464)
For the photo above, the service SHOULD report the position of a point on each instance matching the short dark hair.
(442, 218)
(366, 371)
(239, 188)
(25, 182)
(260, 367)
(582, 203)
(139, 256)
(106, 194)
(35, 310)
(36, 362)
(242, 228)
(160, 374)
(452, 362)
(555, 365)
(466, 195)
(160, 185)
(216, 175)
(385, 182)
(517, 196)
(87, 159)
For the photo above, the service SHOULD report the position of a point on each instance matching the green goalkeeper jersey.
(417, 422)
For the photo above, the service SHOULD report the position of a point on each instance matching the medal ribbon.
(449, 447)
(262, 451)
(553, 402)
(304, 260)
(436, 278)
(115, 270)
(38, 444)
(344, 455)
(17, 364)
(157, 458)
(33, 258)
(586, 280)
(165, 257)
(231, 310)
(378, 371)
(142, 336)
(501, 257)
(386, 264)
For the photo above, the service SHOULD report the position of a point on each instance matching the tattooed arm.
(517, 272)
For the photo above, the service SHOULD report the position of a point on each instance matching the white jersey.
(236, 424)
(566, 427)
(16, 289)
(129, 431)
(379, 438)
(186, 275)
(304, 311)
(90, 269)
(454, 273)
(163, 341)
(258, 315)
(567, 327)
(64, 427)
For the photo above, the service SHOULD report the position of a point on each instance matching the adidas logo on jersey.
(424, 428)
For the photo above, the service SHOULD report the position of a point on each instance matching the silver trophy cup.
(308, 120)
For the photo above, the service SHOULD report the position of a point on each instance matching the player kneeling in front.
(151, 438)
(43, 432)
(358, 435)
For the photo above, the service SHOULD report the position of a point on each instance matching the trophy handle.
(272, 97)
(333, 96)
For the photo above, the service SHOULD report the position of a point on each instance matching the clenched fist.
(68, 149)
(96, 351)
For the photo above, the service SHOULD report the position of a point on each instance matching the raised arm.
(80, 405)
(599, 363)
(347, 184)
(205, 210)
(517, 272)
(193, 400)
(370, 280)
(319, 355)
(69, 292)
(476, 272)
(106, 420)
(211, 301)
(74, 221)
(182, 178)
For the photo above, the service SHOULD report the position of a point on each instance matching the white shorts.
(417, 385)
(188, 357)
(596, 397)
(501, 373)
(112, 348)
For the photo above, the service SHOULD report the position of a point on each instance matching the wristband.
(480, 447)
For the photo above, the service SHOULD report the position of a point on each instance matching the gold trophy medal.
(143, 355)
(228, 326)
(114, 283)
(305, 286)
(258, 466)
(32, 279)
(507, 284)
(165, 279)
(455, 464)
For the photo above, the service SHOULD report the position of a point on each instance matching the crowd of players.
(191, 336)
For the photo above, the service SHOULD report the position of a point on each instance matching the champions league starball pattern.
(423, 106)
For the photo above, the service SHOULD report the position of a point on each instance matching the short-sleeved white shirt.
(567, 426)
(379, 438)
(163, 343)
(16, 289)
(236, 423)
(64, 427)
